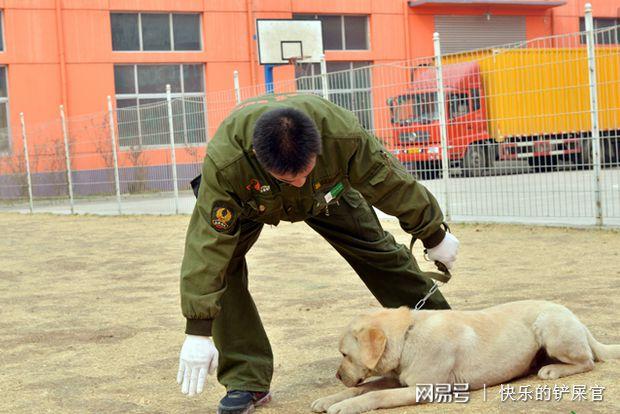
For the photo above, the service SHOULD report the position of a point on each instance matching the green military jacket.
(235, 187)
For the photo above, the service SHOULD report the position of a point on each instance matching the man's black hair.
(285, 139)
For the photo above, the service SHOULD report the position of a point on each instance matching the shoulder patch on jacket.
(222, 218)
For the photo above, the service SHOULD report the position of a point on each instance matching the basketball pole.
(269, 78)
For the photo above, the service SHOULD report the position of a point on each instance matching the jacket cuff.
(434, 239)
(200, 327)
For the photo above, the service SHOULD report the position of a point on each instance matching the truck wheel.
(584, 159)
(476, 160)
(544, 163)
(427, 170)
(609, 152)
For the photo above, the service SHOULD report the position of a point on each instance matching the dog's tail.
(601, 351)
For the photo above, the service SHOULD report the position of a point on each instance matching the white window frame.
(2, 44)
(137, 96)
(170, 25)
(5, 99)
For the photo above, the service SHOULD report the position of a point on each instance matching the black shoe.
(242, 402)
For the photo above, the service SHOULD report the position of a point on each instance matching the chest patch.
(257, 186)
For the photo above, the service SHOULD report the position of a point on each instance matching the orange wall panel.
(342, 55)
(566, 18)
(34, 90)
(272, 5)
(600, 8)
(227, 36)
(88, 87)
(332, 6)
(85, 4)
(538, 26)
(382, 6)
(156, 5)
(225, 6)
(219, 75)
(387, 37)
(421, 29)
(87, 35)
(28, 4)
(30, 36)
(565, 24)
(221, 96)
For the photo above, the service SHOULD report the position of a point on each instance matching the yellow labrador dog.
(489, 346)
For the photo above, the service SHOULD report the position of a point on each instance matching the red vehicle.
(484, 128)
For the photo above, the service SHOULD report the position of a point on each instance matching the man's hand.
(445, 252)
(198, 356)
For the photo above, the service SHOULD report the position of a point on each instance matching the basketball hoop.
(293, 60)
(287, 41)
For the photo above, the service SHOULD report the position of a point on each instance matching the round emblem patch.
(222, 218)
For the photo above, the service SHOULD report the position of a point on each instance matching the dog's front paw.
(548, 372)
(322, 404)
(346, 407)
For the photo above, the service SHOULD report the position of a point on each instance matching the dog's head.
(367, 342)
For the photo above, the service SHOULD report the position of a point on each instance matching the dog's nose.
(338, 376)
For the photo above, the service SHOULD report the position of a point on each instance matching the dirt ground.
(90, 319)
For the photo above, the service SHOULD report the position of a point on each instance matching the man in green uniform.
(292, 158)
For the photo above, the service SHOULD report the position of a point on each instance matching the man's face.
(296, 180)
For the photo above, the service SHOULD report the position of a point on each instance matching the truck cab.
(415, 117)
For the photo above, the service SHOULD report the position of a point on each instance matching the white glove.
(445, 252)
(198, 356)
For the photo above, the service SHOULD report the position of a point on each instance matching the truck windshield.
(416, 109)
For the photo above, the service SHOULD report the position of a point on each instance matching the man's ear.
(372, 343)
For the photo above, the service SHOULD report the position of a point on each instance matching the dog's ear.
(372, 344)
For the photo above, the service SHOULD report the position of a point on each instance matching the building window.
(1, 31)
(142, 109)
(155, 31)
(605, 37)
(341, 32)
(348, 85)
(5, 144)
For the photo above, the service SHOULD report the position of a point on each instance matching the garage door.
(459, 33)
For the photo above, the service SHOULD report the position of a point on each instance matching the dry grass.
(91, 321)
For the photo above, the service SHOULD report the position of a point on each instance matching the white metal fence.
(526, 132)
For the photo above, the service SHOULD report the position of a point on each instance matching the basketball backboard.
(280, 40)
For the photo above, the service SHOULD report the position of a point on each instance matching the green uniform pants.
(387, 268)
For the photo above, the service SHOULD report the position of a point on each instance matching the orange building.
(77, 52)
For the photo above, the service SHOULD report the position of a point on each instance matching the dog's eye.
(343, 354)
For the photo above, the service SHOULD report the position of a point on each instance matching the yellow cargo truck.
(510, 104)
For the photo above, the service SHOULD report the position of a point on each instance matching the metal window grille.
(142, 108)
(349, 85)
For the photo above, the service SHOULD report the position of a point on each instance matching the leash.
(439, 279)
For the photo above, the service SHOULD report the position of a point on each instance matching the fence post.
(237, 90)
(117, 183)
(67, 157)
(172, 151)
(30, 202)
(441, 102)
(596, 141)
(324, 85)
